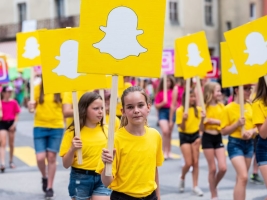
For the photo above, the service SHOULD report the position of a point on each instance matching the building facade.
(182, 17)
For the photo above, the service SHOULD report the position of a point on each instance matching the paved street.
(24, 182)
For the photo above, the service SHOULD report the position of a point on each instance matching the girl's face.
(95, 111)
(135, 108)
(217, 93)
(192, 99)
(7, 94)
(169, 83)
(247, 91)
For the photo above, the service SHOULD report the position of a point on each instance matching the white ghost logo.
(256, 49)
(68, 60)
(233, 69)
(120, 40)
(31, 48)
(194, 55)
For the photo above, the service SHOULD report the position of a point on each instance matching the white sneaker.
(181, 186)
(197, 191)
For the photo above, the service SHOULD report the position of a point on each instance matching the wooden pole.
(77, 124)
(102, 94)
(112, 117)
(187, 95)
(32, 88)
(241, 103)
(200, 94)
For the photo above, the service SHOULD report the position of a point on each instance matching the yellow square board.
(59, 63)
(122, 37)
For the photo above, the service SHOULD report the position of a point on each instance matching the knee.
(242, 179)
(40, 158)
(51, 158)
(188, 164)
(222, 169)
(195, 164)
(212, 170)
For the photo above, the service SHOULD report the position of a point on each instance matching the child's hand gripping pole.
(241, 102)
(200, 95)
(77, 124)
(112, 117)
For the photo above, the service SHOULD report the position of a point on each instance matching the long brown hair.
(195, 106)
(124, 120)
(209, 89)
(261, 93)
(160, 86)
(57, 97)
(85, 101)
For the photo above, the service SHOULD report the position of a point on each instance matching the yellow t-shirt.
(135, 162)
(67, 99)
(231, 114)
(93, 140)
(214, 112)
(119, 104)
(117, 122)
(259, 112)
(48, 114)
(192, 123)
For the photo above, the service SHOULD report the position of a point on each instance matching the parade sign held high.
(122, 37)
(247, 44)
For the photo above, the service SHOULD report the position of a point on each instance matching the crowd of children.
(139, 149)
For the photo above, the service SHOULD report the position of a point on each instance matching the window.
(252, 11)
(60, 8)
(211, 50)
(228, 25)
(22, 12)
(174, 12)
(209, 12)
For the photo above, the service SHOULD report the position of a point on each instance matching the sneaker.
(197, 191)
(49, 193)
(255, 178)
(181, 185)
(44, 184)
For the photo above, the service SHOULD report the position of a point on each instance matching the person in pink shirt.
(163, 106)
(10, 109)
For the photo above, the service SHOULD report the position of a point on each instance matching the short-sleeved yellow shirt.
(192, 123)
(259, 112)
(48, 114)
(231, 114)
(214, 112)
(135, 162)
(93, 141)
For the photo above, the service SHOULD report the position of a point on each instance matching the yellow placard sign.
(248, 47)
(230, 75)
(122, 37)
(193, 54)
(60, 60)
(28, 49)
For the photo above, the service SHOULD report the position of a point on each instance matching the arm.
(263, 129)
(201, 125)
(230, 129)
(69, 156)
(160, 105)
(13, 127)
(213, 121)
(107, 180)
(67, 110)
(157, 181)
(107, 158)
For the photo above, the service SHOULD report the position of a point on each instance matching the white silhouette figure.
(233, 69)
(194, 55)
(31, 48)
(120, 40)
(68, 60)
(256, 49)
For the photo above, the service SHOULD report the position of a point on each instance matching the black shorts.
(121, 196)
(5, 125)
(210, 141)
(186, 138)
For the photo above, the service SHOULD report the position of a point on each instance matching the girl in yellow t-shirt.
(240, 145)
(138, 152)
(212, 144)
(85, 183)
(47, 133)
(259, 107)
(188, 127)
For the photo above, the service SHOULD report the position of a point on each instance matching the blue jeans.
(239, 147)
(261, 151)
(83, 186)
(47, 139)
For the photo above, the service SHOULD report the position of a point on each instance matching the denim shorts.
(83, 186)
(261, 151)
(47, 139)
(164, 114)
(239, 147)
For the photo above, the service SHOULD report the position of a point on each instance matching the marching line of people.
(139, 149)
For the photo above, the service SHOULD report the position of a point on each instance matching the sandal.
(2, 168)
(12, 165)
